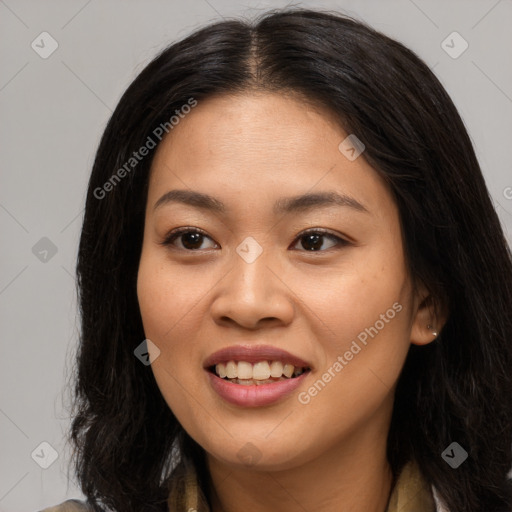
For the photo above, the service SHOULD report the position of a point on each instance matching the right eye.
(191, 239)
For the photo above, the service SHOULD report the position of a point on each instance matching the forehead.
(240, 126)
(261, 146)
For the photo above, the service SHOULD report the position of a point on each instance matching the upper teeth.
(259, 371)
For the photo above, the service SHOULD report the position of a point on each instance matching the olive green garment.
(410, 494)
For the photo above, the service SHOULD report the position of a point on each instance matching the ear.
(429, 317)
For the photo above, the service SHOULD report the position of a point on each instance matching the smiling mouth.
(262, 372)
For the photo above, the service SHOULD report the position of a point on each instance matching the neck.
(349, 477)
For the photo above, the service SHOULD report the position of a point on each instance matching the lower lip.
(255, 395)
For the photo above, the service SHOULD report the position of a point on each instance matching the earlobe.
(428, 321)
(432, 328)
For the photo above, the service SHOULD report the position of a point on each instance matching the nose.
(253, 294)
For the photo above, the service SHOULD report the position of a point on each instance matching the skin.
(248, 150)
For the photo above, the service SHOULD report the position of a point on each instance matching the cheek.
(354, 296)
(365, 312)
(166, 302)
(165, 296)
(362, 354)
(170, 302)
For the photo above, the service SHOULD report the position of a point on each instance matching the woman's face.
(340, 303)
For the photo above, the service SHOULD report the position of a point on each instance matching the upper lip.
(254, 354)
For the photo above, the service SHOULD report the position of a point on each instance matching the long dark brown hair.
(458, 388)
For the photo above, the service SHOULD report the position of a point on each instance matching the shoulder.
(69, 506)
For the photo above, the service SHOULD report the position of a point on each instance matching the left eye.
(312, 241)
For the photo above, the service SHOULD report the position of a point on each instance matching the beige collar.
(410, 492)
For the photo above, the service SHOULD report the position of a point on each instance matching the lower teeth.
(252, 382)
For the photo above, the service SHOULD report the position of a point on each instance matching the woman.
(294, 288)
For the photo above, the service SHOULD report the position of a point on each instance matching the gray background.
(53, 112)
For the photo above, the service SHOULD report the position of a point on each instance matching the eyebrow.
(295, 204)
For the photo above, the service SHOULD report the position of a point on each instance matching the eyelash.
(176, 233)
